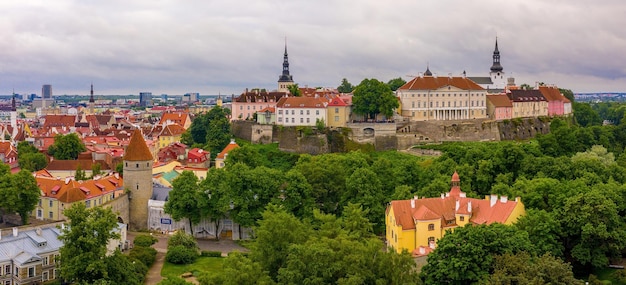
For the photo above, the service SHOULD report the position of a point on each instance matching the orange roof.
(337, 101)
(137, 149)
(172, 130)
(551, 93)
(301, 102)
(433, 83)
(232, 145)
(500, 100)
(178, 118)
(446, 207)
(69, 190)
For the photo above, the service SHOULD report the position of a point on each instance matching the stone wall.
(388, 136)
(120, 207)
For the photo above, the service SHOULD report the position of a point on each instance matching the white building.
(300, 111)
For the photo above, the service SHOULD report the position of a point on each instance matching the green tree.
(585, 116)
(215, 198)
(80, 175)
(218, 135)
(592, 228)
(294, 89)
(296, 195)
(66, 147)
(364, 187)
(522, 268)
(396, 83)
(345, 86)
(95, 170)
(19, 193)
(29, 157)
(83, 254)
(277, 231)
(544, 231)
(184, 199)
(199, 129)
(467, 255)
(372, 97)
(121, 270)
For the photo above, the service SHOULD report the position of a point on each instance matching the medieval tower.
(285, 79)
(138, 180)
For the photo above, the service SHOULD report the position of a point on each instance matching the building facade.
(499, 107)
(417, 223)
(429, 97)
(528, 103)
(300, 111)
(339, 111)
(250, 102)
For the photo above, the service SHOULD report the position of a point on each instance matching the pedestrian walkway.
(154, 273)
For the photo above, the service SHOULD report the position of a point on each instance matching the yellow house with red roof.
(59, 194)
(180, 118)
(221, 157)
(417, 224)
(338, 111)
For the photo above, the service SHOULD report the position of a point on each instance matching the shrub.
(181, 238)
(207, 253)
(181, 254)
(146, 255)
(145, 240)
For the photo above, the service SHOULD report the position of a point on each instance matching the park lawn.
(202, 264)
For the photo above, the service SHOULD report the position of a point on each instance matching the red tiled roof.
(499, 100)
(551, 93)
(433, 83)
(232, 145)
(137, 149)
(59, 121)
(69, 190)
(337, 101)
(301, 102)
(178, 118)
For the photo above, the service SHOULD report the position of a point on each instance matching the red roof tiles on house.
(137, 149)
(433, 83)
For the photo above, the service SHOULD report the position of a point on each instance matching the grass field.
(202, 264)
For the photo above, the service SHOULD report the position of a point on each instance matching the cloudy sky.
(211, 47)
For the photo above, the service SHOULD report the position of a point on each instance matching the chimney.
(457, 205)
(503, 199)
(422, 250)
(38, 231)
(493, 200)
(469, 207)
(15, 232)
(518, 199)
(431, 244)
(62, 226)
(442, 196)
(412, 203)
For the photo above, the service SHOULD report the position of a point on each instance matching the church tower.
(497, 73)
(138, 179)
(91, 101)
(285, 80)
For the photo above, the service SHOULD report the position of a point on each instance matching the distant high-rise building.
(191, 97)
(46, 91)
(145, 99)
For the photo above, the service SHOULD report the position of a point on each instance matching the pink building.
(499, 107)
(248, 103)
(556, 100)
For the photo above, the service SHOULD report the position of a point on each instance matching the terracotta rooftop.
(232, 145)
(301, 102)
(525, 95)
(551, 93)
(500, 100)
(137, 149)
(433, 83)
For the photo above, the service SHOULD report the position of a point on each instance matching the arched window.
(431, 227)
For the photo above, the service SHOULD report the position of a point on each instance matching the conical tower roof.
(137, 149)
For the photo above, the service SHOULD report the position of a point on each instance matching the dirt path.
(154, 273)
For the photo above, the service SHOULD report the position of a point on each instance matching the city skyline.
(224, 48)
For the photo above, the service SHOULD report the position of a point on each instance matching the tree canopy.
(372, 97)
(66, 147)
(19, 193)
(345, 87)
(29, 157)
(210, 131)
(84, 257)
(396, 83)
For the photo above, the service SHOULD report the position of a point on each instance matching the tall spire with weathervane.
(91, 101)
(285, 80)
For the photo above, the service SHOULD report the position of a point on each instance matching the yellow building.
(59, 194)
(221, 157)
(528, 103)
(417, 224)
(338, 111)
(429, 97)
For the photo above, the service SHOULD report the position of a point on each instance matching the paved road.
(154, 274)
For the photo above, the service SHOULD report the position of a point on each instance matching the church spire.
(285, 79)
(496, 67)
(91, 100)
(13, 108)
